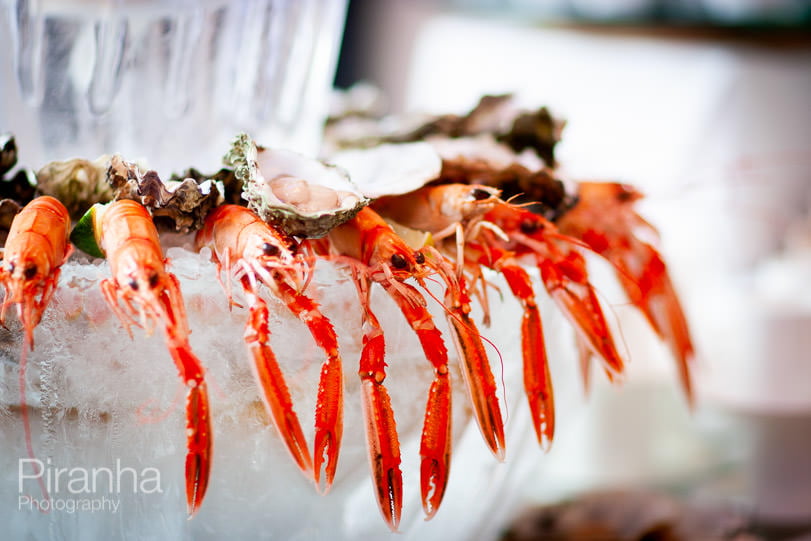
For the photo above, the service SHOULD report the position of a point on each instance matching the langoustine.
(493, 233)
(498, 236)
(605, 219)
(36, 246)
(129, 240)
(376, 254)
(255, 252)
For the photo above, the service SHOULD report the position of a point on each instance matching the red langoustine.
(36, 246)
(376, 254)
(144, 287)
(605, 219)
(256, 252)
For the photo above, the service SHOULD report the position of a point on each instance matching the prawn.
(605, 219)
(37, 246)
(146, 290)
(255, 252)
(376, 254)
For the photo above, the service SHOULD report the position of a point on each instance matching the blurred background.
(706, 106)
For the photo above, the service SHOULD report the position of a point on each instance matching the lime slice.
(87, 232)
(413, 237)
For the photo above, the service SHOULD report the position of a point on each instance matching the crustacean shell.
(304, 197)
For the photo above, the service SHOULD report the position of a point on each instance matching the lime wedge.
(414, 238)
(87, 232)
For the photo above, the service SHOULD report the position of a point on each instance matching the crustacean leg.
(478, 376)
(199, 436)
(198, 424)
(566, 281)
(268, 375)
(435, 444)
(381, 430)
(329, 405)
(537, 379)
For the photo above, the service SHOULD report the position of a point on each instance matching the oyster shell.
(8, 210)
(302, 196)
(496, 116)
(178, 205)
(77, 183)
(8, 153)
(390, 169)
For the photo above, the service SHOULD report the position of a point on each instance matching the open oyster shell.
(390, 169)
(302, 196)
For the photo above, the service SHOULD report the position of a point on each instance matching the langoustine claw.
(564, 275)
(537, 377)
(454, 212)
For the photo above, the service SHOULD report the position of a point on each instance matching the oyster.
(302, 196)
(8, 153)
(178, 205)
(496, 116)
(77, 183)
(390, 169)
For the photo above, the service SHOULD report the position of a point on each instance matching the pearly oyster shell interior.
(303, 196)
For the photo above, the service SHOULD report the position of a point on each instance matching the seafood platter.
(271, 333)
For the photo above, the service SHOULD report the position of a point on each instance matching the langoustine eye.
(399, 261)
(480, 195)
(529, 227)
(30, 271)
(270, 249)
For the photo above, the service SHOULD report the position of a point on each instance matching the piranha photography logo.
(44, 487)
